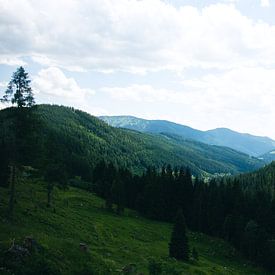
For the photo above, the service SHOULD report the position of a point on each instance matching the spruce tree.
(178, 246)
(118, 195)
(4, 163)
(254, 242)
(19, 91)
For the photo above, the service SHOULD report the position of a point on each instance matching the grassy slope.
(113, 241)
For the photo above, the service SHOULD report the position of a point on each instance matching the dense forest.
(234, 208)
(77, 141)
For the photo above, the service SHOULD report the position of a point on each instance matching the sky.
(205, 64)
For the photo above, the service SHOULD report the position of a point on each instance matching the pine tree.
(19, 91)
(13, 176)
(254, 241)
(178, 246)
(118, 195)
(4, 163)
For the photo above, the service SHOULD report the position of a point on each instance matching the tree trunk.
(12, 191)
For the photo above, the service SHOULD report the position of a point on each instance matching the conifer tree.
(178, 246)
(118, 195)
(19, 91)
(4, 164)
(254, 241)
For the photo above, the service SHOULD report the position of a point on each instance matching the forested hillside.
(77, 141)
(239, 209)
(77, 235)
(249, 144)
(263, 180)
(63, 147)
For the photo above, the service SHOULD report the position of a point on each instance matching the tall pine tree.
(19, 91)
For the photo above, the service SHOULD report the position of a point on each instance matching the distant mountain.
(249, 144)
(78, 141)
(268, 157)
(246, 143)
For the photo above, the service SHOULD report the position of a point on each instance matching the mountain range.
(249, 144)
(78, 141)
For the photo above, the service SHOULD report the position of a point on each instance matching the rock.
(16, 253)
(19, 250)
(31, 244)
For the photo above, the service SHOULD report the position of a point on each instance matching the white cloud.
(241, 99)
(97, 111)
(265, 3)
(2, 106)
(43, 60)
(3, 84)
(132, 35)
(143, 93)
(53, 82)
(11, 61)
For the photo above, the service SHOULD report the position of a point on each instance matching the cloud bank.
(53, 82)
(133, 36)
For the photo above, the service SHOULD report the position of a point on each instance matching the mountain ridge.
(85, 140)
(244, 142)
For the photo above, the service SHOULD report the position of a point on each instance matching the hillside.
(246, 143)
(82, 140)
(113, 241)
(263, 179)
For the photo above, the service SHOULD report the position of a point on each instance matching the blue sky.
(205, 64)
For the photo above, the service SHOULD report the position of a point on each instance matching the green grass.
(113, 241)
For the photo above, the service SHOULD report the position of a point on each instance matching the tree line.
(245, 217)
